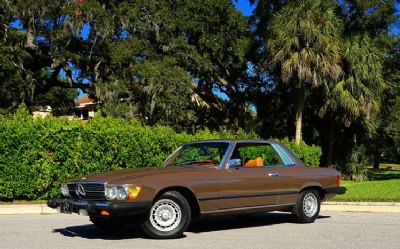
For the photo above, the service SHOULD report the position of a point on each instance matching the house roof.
(84, 102)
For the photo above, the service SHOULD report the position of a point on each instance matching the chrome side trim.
(259, 194)
(248, 208)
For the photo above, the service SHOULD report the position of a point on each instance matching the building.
(85, 107)
(42, 112)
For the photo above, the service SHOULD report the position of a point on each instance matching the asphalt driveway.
(273, 230)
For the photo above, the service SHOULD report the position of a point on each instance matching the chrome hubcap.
(165, 215)
(310, 205)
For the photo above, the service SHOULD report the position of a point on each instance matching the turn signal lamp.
(104, 212)
(338, 180)
(133, 192)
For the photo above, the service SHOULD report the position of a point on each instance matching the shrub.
(310, 155)
(37, 155)
(356, 169)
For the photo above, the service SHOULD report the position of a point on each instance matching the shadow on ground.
(203, 225)
(91, 232)
(210, 224)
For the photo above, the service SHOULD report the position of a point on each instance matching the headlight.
(122, 192)
(65, 190)
(111, 192)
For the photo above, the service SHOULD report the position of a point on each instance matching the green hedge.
(37, 155)
(309, 154)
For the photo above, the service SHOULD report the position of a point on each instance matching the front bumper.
(336, 190)
(95, 208)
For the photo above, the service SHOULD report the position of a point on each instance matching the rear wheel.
(169, 217)
(108, 223)
(307, 207)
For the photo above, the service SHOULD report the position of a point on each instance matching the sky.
(244, 6)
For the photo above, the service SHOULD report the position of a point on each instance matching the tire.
(108, 224)
(307, 207)
(169, 216)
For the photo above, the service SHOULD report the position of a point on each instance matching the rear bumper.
(336, 190)
(95, 208)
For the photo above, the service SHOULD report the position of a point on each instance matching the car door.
(253, 182)
(291, 175)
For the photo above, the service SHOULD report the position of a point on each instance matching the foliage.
(306, 50)
(356, 169)
(265, 152)
(37, 155)
(393, 128)
(201, 152)
(382, 186)
(339, 112)
(357, 94)
(328, 68)
(309, 154)
(143, 59)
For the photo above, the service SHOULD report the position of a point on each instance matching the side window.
(201, 152)
(256, 155)
(198, 154)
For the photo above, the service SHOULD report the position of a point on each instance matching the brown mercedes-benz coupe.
(202, 178)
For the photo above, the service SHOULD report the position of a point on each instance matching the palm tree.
(359, 90)
(304, 47)
(357, 94)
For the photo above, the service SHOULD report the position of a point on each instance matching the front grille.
(94, 191)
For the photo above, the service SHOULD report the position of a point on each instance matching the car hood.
(120, 176)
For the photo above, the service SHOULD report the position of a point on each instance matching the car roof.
(237, 141)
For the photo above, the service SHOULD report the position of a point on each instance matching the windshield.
(207, 153)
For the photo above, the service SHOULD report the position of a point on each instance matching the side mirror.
(233, 163)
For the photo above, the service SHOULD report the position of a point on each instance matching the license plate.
(66, 207)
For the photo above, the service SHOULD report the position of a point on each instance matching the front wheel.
(169, 216)
(307, 207)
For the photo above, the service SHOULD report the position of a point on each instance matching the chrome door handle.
(273, 174)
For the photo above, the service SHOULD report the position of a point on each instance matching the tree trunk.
(331, 138)
(298, 102)
(298, 121)
(377, 158)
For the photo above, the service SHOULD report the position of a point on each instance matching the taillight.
(338, 180)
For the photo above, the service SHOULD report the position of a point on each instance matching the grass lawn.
(383, 186)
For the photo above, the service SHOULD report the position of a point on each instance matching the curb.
(369, 207)
(342, 203)
(26, 209)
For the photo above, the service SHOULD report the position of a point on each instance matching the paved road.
(274, 230)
